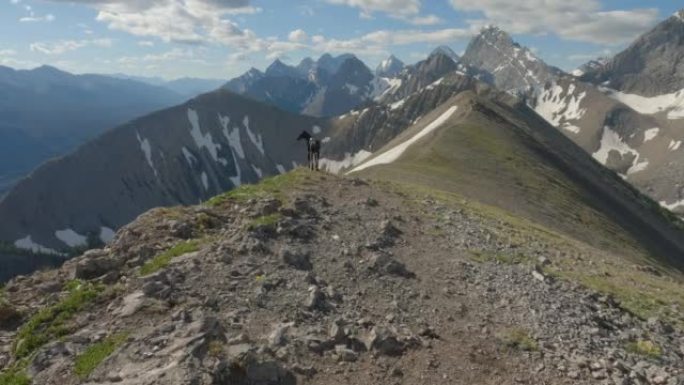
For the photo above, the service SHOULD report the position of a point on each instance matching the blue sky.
(223, 38)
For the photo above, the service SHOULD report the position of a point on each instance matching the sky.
(221, 39)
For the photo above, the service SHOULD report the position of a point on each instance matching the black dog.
(313, 147)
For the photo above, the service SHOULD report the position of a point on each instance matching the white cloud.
(63, 46)
(146, 43)
(392, 7)
(580, 20)
(298, 35)
(425, 20)
(7, 52)
(32, 18)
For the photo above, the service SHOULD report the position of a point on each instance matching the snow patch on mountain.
(188, 156)
(280, 168)
(650, 134)
(395, 152)
(558, 107)
(672, 206)
(106, 234)
(434, 84)
(71, 238)
(234, 141)
(146, 148)
(204, 140)
(316, 130)
(679, 15)
(258, 171)
(237, 179)
(672, 103)
(611, 141)
(381, 87)
(205, 180)
(256, 139)
(398, 104)
(349, 160)
(674, 145)
(352, 89)
(27, 243)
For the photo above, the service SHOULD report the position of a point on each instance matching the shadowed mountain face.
(181, 155)
(47, 112)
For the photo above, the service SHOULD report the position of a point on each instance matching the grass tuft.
(264, 221)
(14, 377)
(519, 339)
(644, 348)
(505, 259)
(89, 360)
(276, 186)
(51, 322)
(162, 260)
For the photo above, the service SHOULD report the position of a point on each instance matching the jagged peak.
(446, 51)
(679, 15)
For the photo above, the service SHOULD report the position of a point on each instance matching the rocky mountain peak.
(389, 67)
(652, 65)
(513, 67)
(446, 51)
(278, 68)
(679, 15)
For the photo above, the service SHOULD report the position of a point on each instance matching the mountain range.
(47, 113)
(246, 130)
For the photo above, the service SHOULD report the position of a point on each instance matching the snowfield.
(559, 107)
(672, 103)
(395, 152)
(611, 141)
(71, 238)
(350, 160)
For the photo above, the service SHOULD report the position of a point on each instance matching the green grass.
(51, 322)
(518, 338)
(89, 360)
(506, 259)
(644, 348)
(162, 260)
(264, 221)
(14, 377)
(276, 186)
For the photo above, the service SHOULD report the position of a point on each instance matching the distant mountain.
(653, 65)
(445, 50)
(328, 86)
(185, 87)
(47, 112)
(591, 65)
(191, 87)
(513, 68)
(389, 67)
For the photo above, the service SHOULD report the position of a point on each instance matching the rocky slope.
(314, 279)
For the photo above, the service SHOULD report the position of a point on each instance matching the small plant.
(50, 322)
(275, 186)
(90, 359)
(644, 348)
(264, 221)
(162, 260)
(519, 339)
(14, 377)
(506, 259)
(215, 349)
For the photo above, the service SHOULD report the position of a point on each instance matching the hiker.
(313, 148)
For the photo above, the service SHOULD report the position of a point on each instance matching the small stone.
(345, 354)
(316, 300)
(297, 259)
(573, 374)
